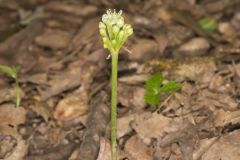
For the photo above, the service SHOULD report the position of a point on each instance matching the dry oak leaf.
(105, 151)
(152, 125)
(137, 149)
(226, 148)
(123, 125)
(11, 115)
(72, 106)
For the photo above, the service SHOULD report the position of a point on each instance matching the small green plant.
(13, 72)
(155, 87)
(114, 34)
(207, 24)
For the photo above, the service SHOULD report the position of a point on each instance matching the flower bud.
(120, 22)
(103, 32)
(129, 31)
(120, 36)
(128, 26)
(105, 40)
(102, 25)
(105, 46)
(115, 30)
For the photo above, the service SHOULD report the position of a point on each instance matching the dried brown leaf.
(105, 150)
(131, 96)
(75, 9)
(42, 110)
(123, 125)
(144, 50)
(194, 47)
(226, 148)
(19, 151)
(72, 106)
(218, 100)
(11, 115)
(137, 149)
(203, 146)
(54, 39)
(153, 125)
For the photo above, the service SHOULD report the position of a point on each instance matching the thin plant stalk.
(114, 106)
(114, 33)
(18, 99)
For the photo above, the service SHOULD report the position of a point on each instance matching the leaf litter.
(65, 80)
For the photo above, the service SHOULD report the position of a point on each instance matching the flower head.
(113, 18)
(114, 31)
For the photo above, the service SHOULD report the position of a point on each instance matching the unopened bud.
(121, 35)
(102, 25)
(129, 31)
(105, 40)
(103, 32)
(115, 30)
(105, 46)
(120, 22)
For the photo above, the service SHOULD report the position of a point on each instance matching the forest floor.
(65, 80)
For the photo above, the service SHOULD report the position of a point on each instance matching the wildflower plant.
(155, 88)
(207, 24)
(114, 34)
(13, 72)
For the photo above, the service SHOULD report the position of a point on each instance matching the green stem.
(17, 93)
(114, 106)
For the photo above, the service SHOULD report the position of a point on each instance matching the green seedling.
(207, 24)
(13, 72)
(114, 34)
(155, 88)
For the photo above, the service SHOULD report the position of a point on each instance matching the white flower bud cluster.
(114, 31)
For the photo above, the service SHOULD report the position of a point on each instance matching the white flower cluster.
(114, 31)
(113, 18)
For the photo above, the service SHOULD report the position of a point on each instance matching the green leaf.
(154, 82)
(171, 86)
(154, 88)
(207, 24)
(152, 98)
(10, 71)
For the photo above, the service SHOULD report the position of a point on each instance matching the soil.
(65, 81)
